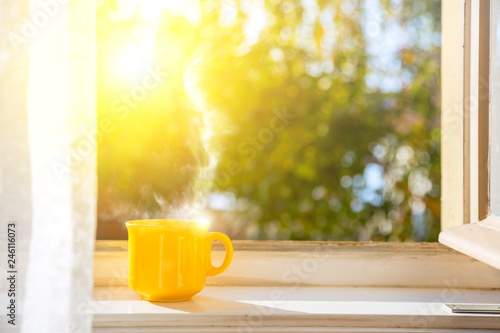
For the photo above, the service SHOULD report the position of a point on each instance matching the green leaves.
(329, 64)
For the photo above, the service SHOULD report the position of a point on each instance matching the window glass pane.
(319, 119)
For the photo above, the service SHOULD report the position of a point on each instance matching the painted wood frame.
(314, 274)
(288, 309)
(331, 264)
(465, 132)
(455, 203)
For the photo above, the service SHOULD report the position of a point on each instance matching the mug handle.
(212, 270)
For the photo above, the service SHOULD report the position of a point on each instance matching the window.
(323, 117)
(470, 147)
(57, 110)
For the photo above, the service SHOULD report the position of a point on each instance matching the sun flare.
(130, 62)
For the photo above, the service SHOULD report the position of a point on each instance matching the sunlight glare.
(131, 62)
(152, 10)
(203, 221)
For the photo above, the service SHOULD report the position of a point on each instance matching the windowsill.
(345, 264)
(294, 286)
(305, 308)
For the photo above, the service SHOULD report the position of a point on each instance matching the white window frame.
(467, 225)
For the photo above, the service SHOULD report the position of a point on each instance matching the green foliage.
(312, 176)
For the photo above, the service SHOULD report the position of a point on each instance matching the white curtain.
(49, 187)
(15, 187)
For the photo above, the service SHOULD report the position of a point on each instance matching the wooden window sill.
(265, 309)
(337, 264)
(307, 286)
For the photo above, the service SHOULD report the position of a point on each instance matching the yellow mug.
(169, 260)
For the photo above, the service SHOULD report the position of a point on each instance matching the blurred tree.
(326, 119)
